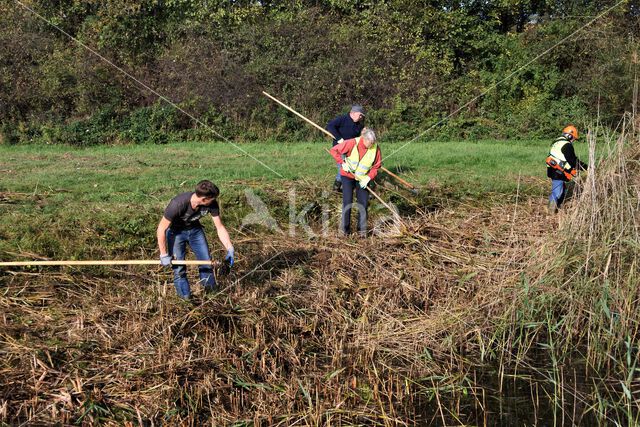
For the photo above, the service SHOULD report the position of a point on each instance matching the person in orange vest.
(562, 166)
(359, 159)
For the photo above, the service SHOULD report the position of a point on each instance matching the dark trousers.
(362, 196)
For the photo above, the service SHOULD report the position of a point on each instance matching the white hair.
(369, 135)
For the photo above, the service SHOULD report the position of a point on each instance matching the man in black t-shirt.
(180, 225)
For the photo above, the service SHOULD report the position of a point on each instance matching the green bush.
(8, 134)
(97, 129)
(469, 69)
(150, 125)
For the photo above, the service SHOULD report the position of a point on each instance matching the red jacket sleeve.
(344, 147)
(377, 164)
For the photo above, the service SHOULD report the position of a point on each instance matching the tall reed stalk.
(585, 286)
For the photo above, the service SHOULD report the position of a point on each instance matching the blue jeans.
(558, 191)
(338, 165)
(177, 241)
(362, 196)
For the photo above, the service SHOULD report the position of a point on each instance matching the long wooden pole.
(103, 262)
(402, 181)
(395, 214)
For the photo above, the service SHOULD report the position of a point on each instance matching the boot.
(552, 208)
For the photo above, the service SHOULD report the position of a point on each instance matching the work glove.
(347, 167)
(364, 181)
(229, 258)
(165, 260)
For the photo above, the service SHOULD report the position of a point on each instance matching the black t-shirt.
(183, 216)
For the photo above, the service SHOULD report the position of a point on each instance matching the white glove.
(347, 167)
(364, 181)
(165, 260)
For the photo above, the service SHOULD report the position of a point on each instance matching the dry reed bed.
(323, 331)
(579, 308)
(388, 330)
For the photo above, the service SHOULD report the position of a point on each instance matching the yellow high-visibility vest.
(361, 165)
(556, 152)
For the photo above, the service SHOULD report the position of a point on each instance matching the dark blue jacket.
(344, 127)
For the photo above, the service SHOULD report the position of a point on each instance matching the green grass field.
(110, 198)
(133, 173)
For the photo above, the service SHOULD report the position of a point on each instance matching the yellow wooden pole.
(102, 262)
(402, 181)
(321, 129)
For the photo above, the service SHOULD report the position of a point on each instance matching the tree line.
(446, 69)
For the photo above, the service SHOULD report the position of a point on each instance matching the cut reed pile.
(365, 331)
(475, 304)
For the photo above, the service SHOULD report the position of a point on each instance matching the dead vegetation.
(442, 324)
(307, 331)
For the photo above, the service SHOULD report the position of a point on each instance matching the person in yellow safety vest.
(360, 158)
(562, 166)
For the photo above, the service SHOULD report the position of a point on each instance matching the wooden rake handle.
(321, 129)
(103, 262)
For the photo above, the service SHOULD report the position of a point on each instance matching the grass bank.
(472, 166)
(66, 202)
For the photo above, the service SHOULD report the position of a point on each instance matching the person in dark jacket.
(346, 126)
(180, 226)
(562, 166)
